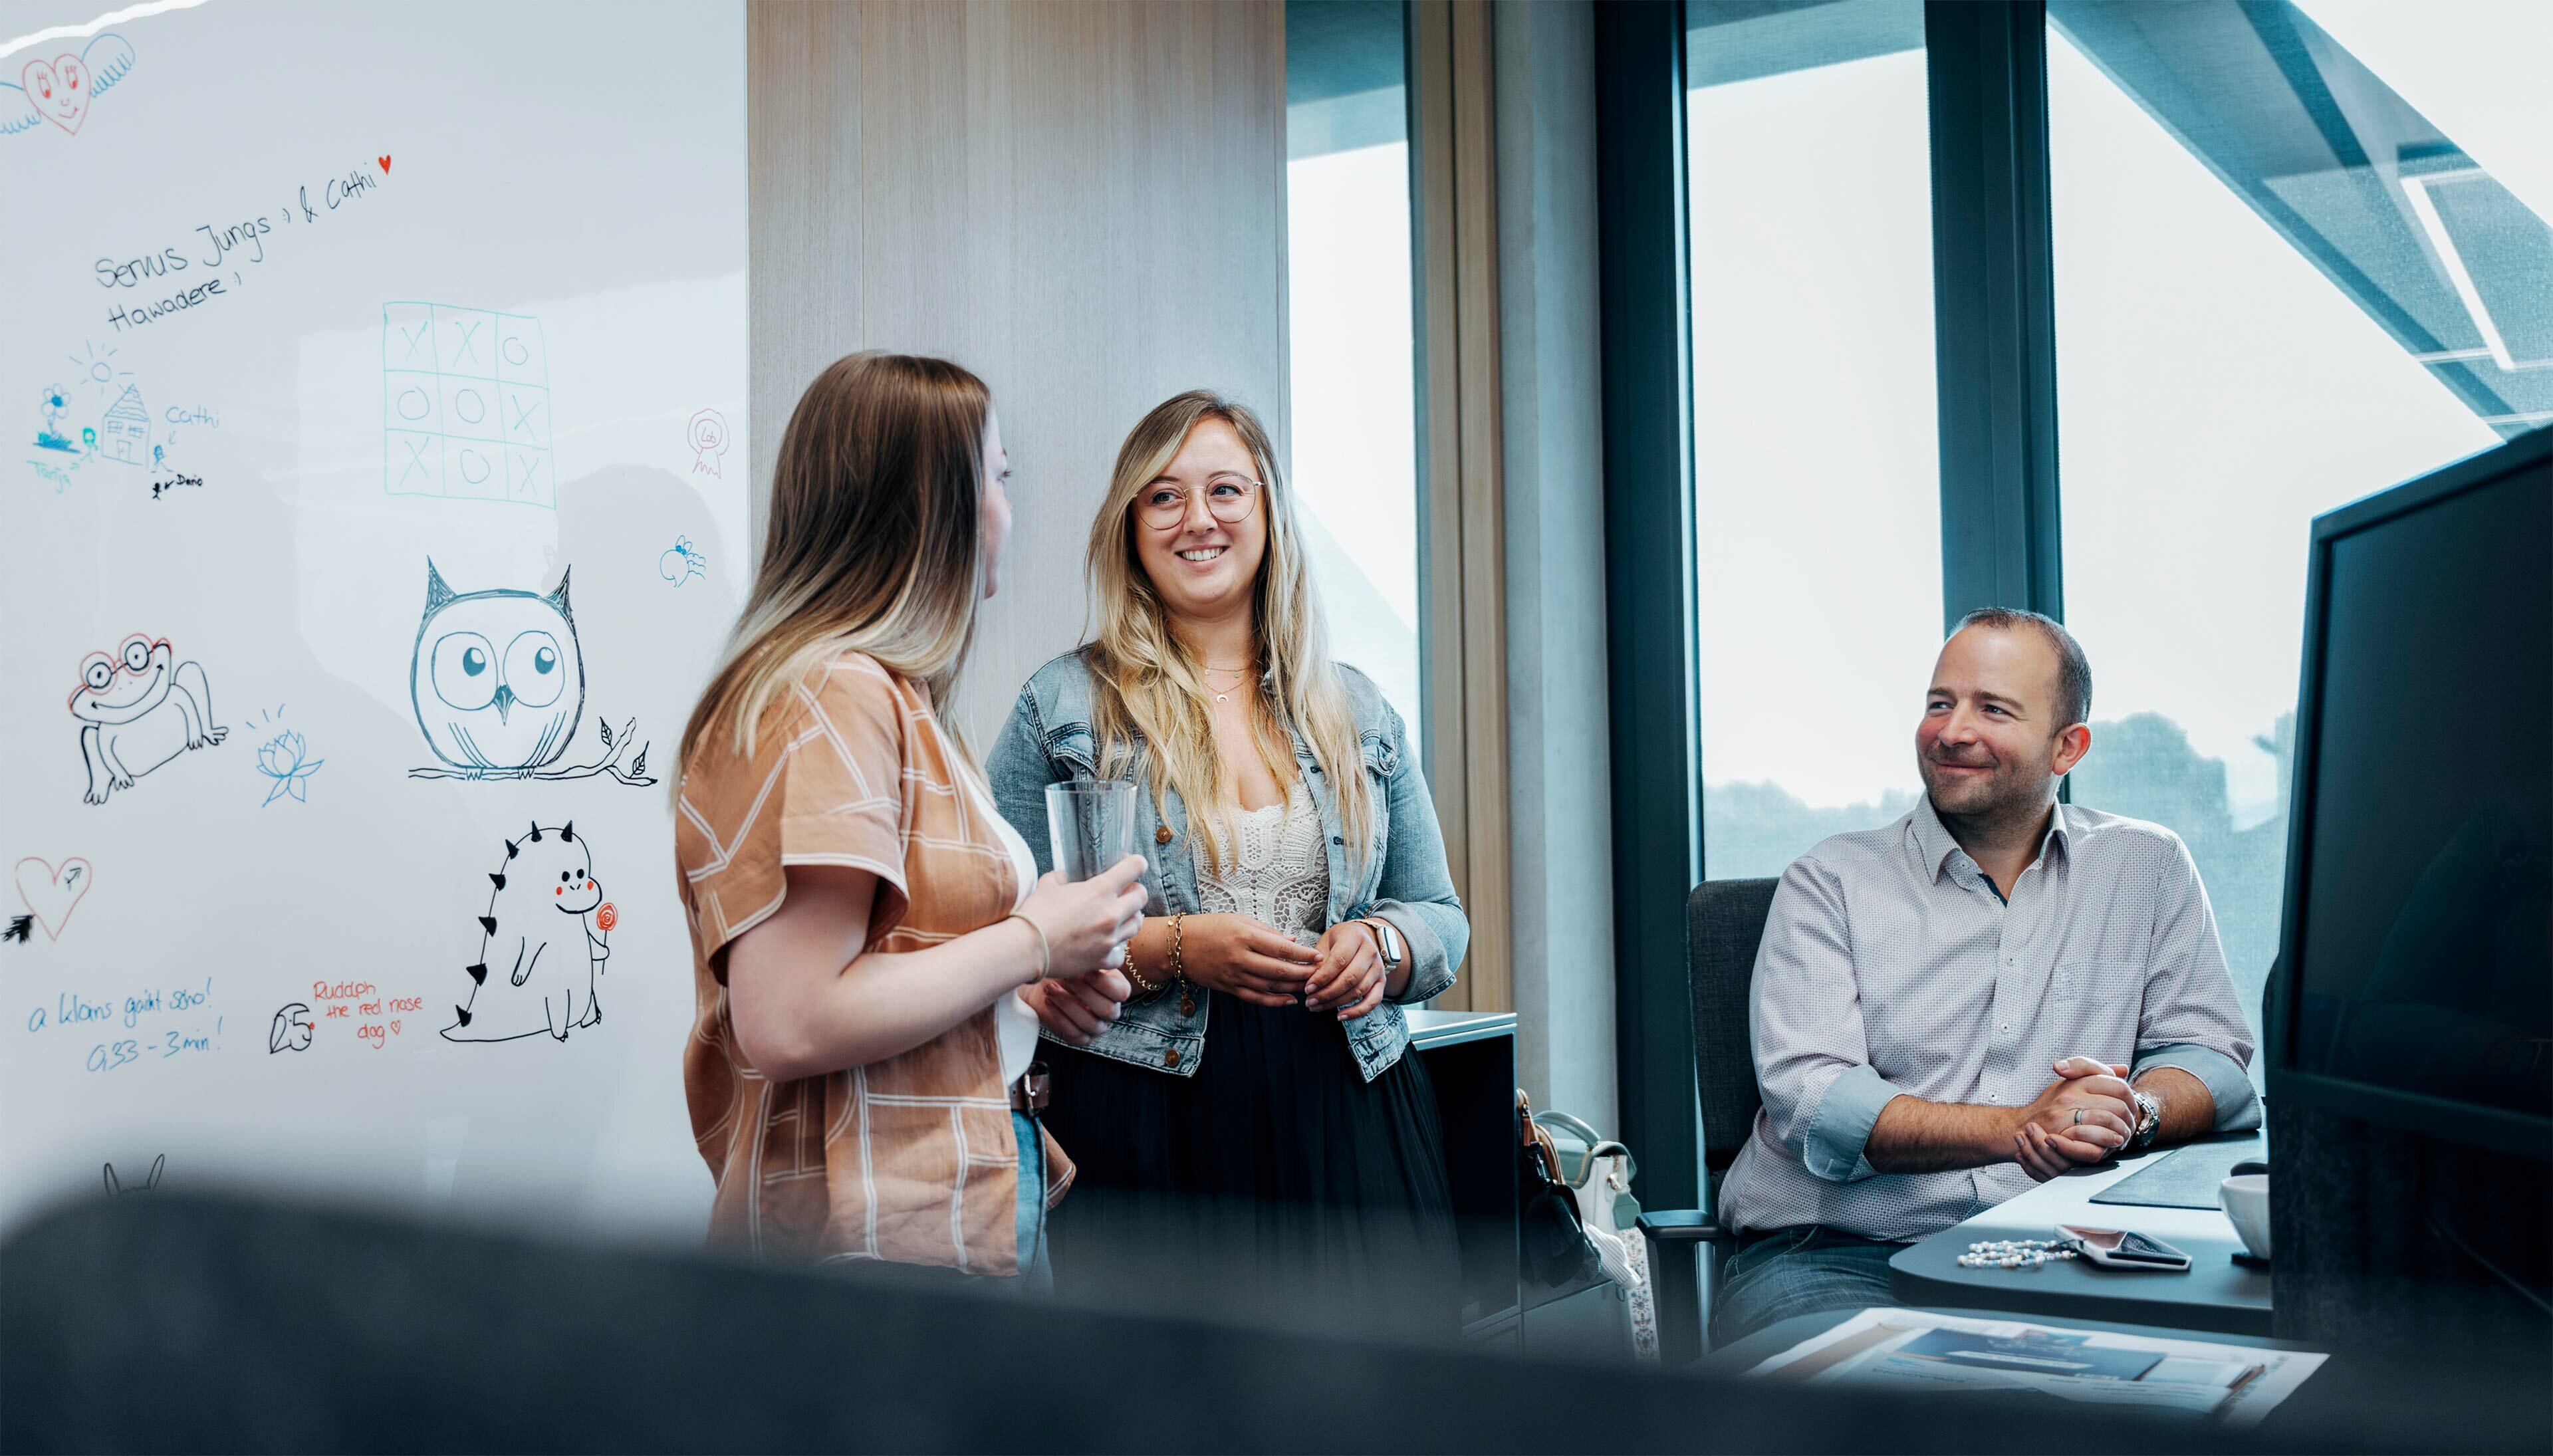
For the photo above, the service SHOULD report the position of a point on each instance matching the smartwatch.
(1387, 942)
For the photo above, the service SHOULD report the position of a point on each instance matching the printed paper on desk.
(1906, 1350)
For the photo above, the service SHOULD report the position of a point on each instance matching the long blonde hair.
(1148, 685)
(873, 544)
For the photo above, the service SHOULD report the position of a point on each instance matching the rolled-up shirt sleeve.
(2192, 1018)
(1821, 1096)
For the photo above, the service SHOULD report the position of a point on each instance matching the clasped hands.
(1250, 960)
(1242, 957)
(2083, 1117)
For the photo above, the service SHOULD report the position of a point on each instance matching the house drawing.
(124, 431)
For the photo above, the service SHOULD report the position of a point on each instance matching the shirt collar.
(1933, 845)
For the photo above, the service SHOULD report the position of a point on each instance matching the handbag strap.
(1598, 1144)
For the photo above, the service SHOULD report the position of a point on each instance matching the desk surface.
(2216, 1294)
(1445, 1028)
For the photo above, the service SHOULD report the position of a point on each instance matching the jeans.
(1779, 1273)
(1036, 1274)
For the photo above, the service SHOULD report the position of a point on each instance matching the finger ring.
(2079, 1114)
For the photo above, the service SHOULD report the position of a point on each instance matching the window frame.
(1995, 372)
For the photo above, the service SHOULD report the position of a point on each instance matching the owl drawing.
(496, 678)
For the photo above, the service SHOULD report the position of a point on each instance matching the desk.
(1470, 1056)
(2216, 1294)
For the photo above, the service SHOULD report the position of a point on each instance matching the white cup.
(2246, 1201)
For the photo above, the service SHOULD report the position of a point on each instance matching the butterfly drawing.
(61, 90)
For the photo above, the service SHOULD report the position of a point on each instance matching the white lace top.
(1280, 873)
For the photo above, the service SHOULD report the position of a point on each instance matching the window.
(1817, 496)
(1350, 320)
(2274, 292)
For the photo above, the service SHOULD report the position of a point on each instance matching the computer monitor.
(2412, 985)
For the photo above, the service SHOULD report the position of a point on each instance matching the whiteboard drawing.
(139, 710)
(496, 677)
(49, 895)
(498, 681)
(291, 1030)
(124, 431)
(466, 405)
(708, 435)
(286, 759)
(48, 436)
(542, 942)
(159, 1166)
(97, 366)
(681, 562)
(60, 90)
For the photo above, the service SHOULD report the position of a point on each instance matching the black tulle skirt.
(1276, 1168)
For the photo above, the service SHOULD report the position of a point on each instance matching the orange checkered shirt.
(909, 1160)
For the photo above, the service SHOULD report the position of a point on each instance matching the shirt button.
(1992, 1097)
(1335, 839)
(2012, 961)
(1171, 1057)
(2004, 1030)
(1162, 835)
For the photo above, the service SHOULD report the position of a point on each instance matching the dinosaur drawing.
(542, 942)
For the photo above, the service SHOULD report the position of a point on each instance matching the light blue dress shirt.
(1890, 968)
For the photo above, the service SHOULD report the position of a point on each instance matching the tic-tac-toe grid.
(465, 404)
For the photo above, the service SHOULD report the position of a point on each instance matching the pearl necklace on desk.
(2016, 1253)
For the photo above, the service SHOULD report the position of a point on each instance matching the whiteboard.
(374, 511)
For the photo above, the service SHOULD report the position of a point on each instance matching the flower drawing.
(281, 758)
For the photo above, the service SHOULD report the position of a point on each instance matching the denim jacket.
(1048, 739)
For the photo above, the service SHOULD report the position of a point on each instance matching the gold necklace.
(1224, 695)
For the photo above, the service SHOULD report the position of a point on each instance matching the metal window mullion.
(1652, 648)
(1993, 300)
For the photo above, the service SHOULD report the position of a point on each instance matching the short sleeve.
(825, 787)
(844, 781)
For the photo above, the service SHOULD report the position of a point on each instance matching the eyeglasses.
(1228, 498)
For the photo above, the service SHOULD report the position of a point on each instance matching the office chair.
(1723, 923)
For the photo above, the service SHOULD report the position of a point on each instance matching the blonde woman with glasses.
(862, 1072)
(1295, 882)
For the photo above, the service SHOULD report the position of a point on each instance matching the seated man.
(1991, 991)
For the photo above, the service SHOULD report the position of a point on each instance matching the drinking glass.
(1090, 824)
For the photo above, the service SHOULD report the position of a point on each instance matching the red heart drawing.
(385, 161)
(58, 88)
(50, 893)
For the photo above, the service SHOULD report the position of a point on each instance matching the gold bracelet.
(1177, 971)
(1044, 958)
(1148, 988)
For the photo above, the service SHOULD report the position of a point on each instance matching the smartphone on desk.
(2121, 1249)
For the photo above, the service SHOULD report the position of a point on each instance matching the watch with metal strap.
(2149, 1120)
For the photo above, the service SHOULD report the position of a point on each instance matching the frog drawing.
(140, 709)
(541, 942)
